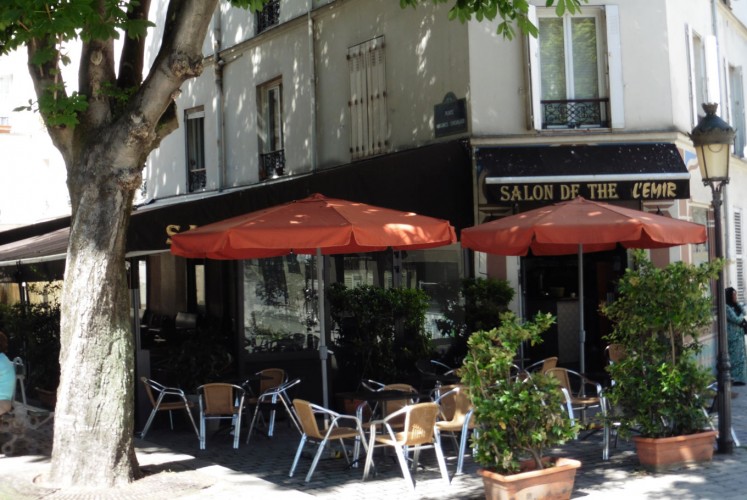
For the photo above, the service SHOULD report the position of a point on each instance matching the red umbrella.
(313, 225)
(579, 226)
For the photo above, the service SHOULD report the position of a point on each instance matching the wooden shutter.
(614, 67)
(739, 254)
(368, 110)
(535, 77)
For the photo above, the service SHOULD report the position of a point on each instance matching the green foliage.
(34, 333)
(381, 332)
(510, 12)
(658, 317)
(517, 417)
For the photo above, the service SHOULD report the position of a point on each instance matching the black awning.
(644, 171)
(434, 180)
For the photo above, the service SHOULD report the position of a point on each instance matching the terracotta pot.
(552, 483)
(662, 454)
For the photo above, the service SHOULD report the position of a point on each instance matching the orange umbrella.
(579, 226)
(559, 229)
(313, 225)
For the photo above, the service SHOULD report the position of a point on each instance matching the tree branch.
(132, 57)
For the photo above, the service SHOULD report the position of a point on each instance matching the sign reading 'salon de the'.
(601, 191)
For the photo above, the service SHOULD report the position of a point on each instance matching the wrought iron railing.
(575, 113)
(269, 16)
(272, 165)
(197, 180)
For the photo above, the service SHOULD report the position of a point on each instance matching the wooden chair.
(168, 399)
(456, 418)
(220, 401)
(307, 415)
(419, 432)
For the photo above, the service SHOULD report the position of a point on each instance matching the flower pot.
(554, 482)
(662, 454)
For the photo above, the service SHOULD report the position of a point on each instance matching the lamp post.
(712, 138)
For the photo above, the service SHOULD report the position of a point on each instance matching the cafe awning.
(607, 172)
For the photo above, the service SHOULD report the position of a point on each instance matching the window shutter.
(358, 119)
(739, 253)
(691, 75)
(377, 96)
(614, 66)
(535, 82)
(711, 70)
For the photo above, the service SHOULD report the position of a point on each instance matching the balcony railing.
(197, 180)
(269, 16)
(576, 113)
(272, 165)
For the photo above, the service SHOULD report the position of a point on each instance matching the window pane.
(143, 283)
(585, 66)
(552, 58)
(195, 150)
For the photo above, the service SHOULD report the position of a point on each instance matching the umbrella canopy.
(314, 223)
(559, 229)
(579, 226)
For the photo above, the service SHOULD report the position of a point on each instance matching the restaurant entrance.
(551, 285)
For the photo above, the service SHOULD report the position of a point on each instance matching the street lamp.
(712, 138)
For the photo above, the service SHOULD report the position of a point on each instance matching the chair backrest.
(220, 399)
(307, 419)
(420, 421)
(455, 404)
(615, 353)
(396, 404)
(548, 363)
(149, 390)
(271, 378)
(562, 376)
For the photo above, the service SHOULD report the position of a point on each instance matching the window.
(575, 69)
(196, 286)
(270, 127)
(736, 102)
(5, 84)
(368, 113)
(702, 56)
(269, 16)
(194, 120)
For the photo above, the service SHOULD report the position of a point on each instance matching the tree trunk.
(95, 402)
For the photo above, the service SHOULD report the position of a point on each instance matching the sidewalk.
(178, 469)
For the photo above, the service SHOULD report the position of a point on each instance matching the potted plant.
(517, 418)
(659, 387)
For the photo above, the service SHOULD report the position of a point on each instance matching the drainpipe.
(725, 193)
(221, 126)
(312, 100)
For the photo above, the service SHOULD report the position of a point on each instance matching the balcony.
(575, 113)
(271, 165)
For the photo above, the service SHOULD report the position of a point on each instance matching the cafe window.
(369, 126)
(194, 120)
(575, 69)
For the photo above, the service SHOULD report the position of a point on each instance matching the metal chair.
(419, 432)
(220, 401)
(542, 365)
(20, 378)
(456, 413)
(272, 398)
(307, 415)
(585, 394)
(176, 400)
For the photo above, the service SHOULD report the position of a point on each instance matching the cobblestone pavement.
(178, 469)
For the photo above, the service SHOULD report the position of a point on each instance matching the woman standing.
(735, 316)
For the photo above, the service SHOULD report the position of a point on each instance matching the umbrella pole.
(581, 331)
(322, 327)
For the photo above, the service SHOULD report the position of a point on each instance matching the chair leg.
(236, 430)
(251, 425)
(298, 455)
(369, 455)
(462, 450)
(202, 431)
(441, 460)
(192, 419)
(400, 452)
(147, 424)
(171, 420)
(314, 463)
